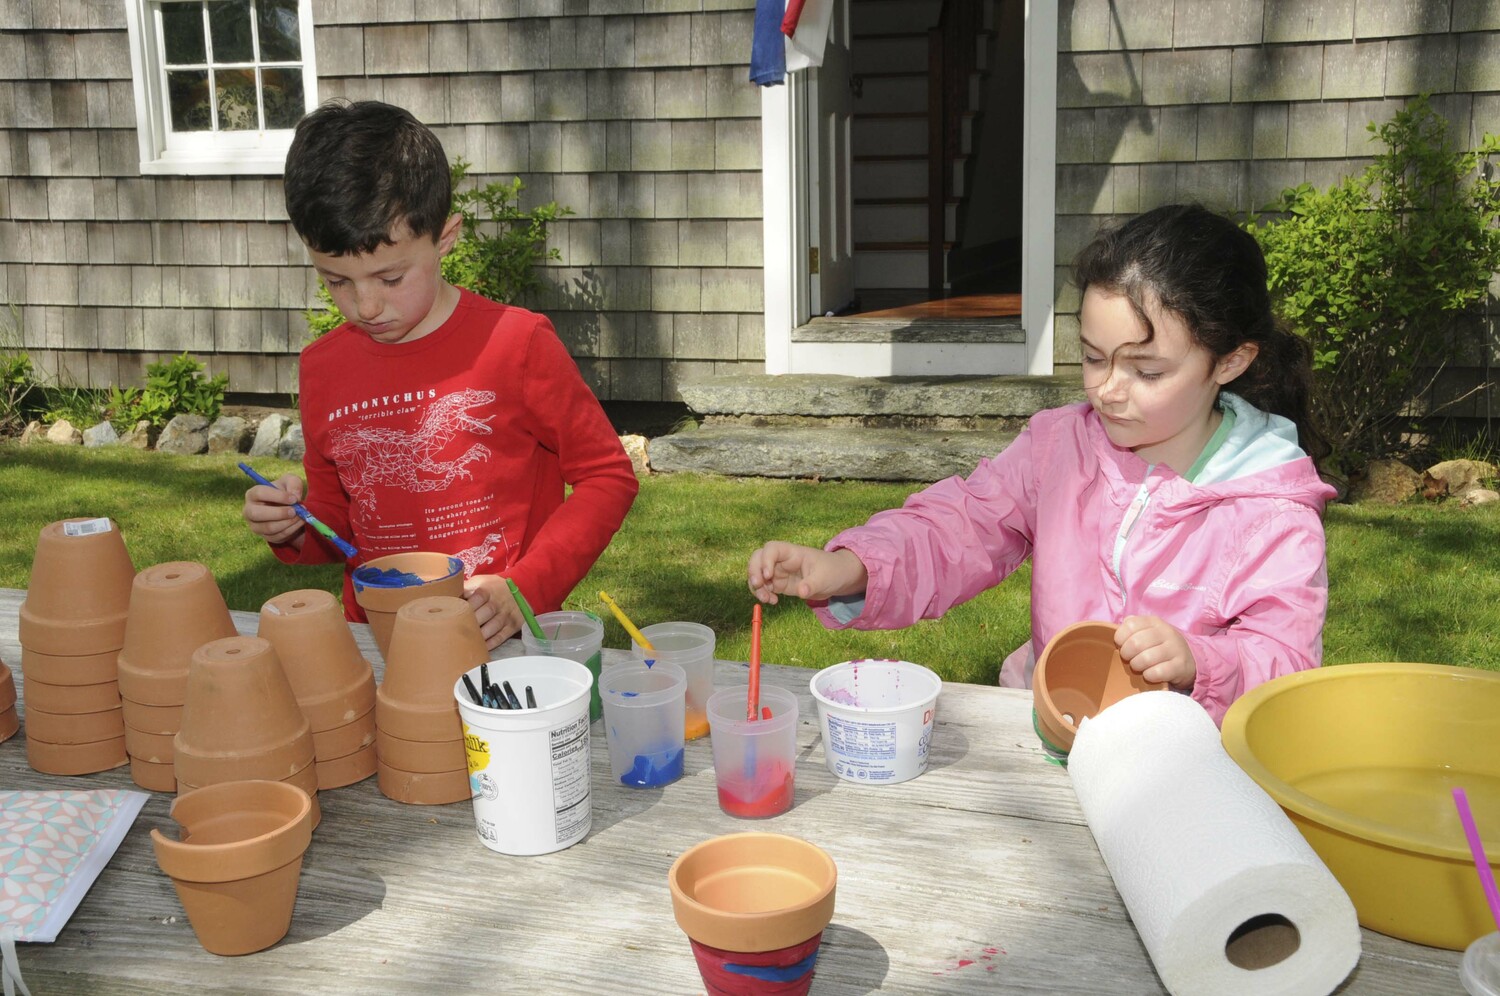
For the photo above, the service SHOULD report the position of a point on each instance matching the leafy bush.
(498, 249)
(18, 391)
(178, 387)
(1377, 271)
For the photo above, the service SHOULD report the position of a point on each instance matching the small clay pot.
(175, 608)
(419, 755)
(70, 700)
(76, 759)
(165, 719)
(441, 574)
(78, 593)
(344, 740)
(276, 764)
(434, 641)
(82, 728)
(238, 861)
(239, 702)
(1079, 675)
(753, 891)
(89, 669)
(346, 770)
(10, 722)
(154, 688)
(333, 683)
(153, 776)
(304, 778)
(155, 748)
(424, 788)
(8, 688)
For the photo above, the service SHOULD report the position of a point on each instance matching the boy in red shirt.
(434, 419)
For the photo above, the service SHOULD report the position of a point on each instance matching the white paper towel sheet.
(1198, 850)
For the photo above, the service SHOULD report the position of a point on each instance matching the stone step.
(826, 452)
(818, 395)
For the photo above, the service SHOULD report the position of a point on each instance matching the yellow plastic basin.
(1364, 758)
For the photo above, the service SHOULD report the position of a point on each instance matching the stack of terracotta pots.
(237, 863)
(175, 608)
(419, 737)
(439, 574)
(333, 683)
(9, 721)
(241, 721)
(72, 627)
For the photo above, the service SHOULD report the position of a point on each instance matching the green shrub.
(1377, 271)
(18, 391)
(498, 249)
(178, 387)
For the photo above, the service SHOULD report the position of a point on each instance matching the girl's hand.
(809, 573)
(499, 616)
(268, 510)
(1157, 650)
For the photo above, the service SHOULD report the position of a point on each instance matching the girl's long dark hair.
(1209, 272)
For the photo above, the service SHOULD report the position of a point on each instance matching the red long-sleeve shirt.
(461, 442)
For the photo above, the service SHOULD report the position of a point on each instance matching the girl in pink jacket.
(1189, 513)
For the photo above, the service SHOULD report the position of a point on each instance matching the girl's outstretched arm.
(811, 574)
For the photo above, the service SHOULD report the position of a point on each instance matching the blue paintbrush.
(346, 548)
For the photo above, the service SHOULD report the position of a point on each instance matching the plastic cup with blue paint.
(576, 636)
(643, 721)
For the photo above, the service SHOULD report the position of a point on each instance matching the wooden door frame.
(784, 200)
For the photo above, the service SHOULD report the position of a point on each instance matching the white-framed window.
(220, 84)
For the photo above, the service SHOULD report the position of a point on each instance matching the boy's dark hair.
(355, 171)
(1209, 272)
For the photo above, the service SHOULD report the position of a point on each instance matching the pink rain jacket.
(1236, 561)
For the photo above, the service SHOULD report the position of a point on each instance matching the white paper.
(1197, 849)
(804, 48)
(87, 527)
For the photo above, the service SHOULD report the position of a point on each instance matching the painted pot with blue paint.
(644, 707)
(385, 584)
(754, 907)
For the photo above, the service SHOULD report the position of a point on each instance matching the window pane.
(280, 36)
(182, 33)
(187, 93)
(283, 96)
(229, 23)
(236, 93)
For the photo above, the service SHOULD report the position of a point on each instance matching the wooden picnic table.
(979, 876)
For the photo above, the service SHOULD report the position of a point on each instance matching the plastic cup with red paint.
(754, 760)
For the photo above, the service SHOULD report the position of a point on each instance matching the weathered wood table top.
(979, 876)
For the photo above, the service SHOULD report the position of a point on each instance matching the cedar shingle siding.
(1228, 102)
(634, 113)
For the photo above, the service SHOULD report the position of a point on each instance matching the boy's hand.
(268, 510)
(499, 617)
(811, 574)
(1157, 650)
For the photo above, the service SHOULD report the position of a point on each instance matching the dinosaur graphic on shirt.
(371, 455)
(476, 555)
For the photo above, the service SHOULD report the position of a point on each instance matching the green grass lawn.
(1407, 583)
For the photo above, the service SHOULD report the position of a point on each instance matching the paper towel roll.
(1213, 873)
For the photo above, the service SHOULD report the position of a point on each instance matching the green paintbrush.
(526, 613)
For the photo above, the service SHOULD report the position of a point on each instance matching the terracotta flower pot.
(70, 700)
(754, 899)
(304, 778)
(238, 861)
(165, 719)
(156, 748)
(347, 770)
(424, 788)
(425, 756)
(153, 776)
(275, 764)
(333, 683)
(82, 728)
(239, 702)
(434, 641)
(76, 759)
(8, 688)
(175, 608)
(10, 722)
(1079, 675)
(79, 591)
(88, 669)
(440, 573)
(342, 741)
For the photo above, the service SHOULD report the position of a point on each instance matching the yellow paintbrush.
(635, 634)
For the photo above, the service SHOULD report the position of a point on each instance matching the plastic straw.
(526, 613)
(1476, 847)
(635, 634)
(752, 710)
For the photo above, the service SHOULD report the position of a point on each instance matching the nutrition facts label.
(570, 779)
(862, 741)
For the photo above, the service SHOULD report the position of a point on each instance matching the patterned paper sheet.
(52, 847)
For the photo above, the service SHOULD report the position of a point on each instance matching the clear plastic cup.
(690, 646)
(755, 761)
(576, 636)
(643, 709)
(1480, 969)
